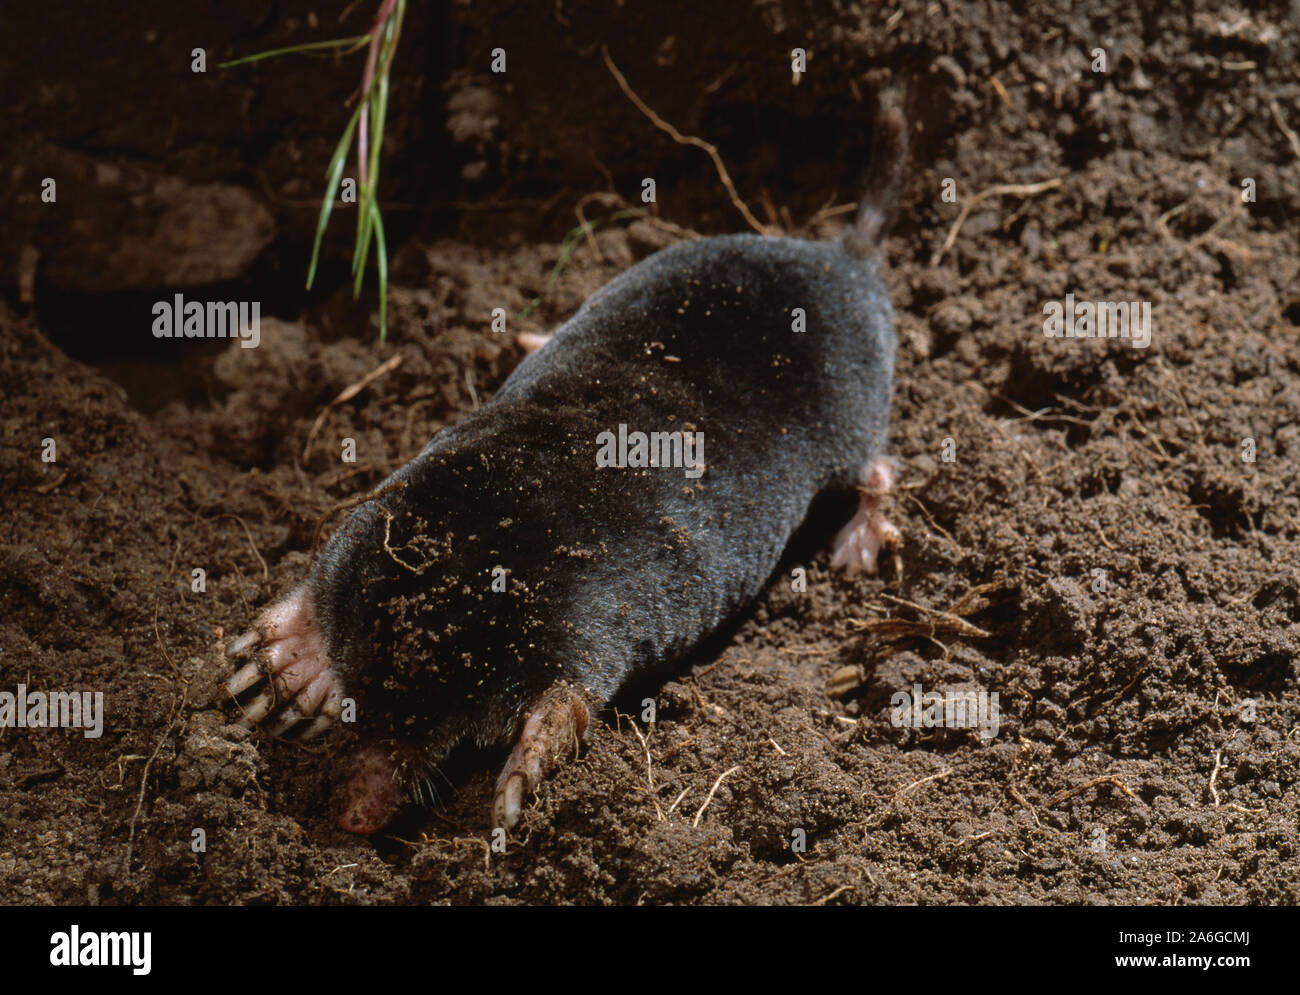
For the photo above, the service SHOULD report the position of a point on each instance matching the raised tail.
(884, 188)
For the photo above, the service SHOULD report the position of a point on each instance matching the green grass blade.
(361, 251)
(381, 262)
(379, 111)
(391, 35)
(377, 103)
(313, 46)
(362, 246)
(331, 189)
(377, 129)
(373, 104)
(369, 216)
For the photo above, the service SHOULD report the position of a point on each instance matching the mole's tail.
(884, 188)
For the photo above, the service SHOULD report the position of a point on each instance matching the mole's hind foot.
(857, 546)
(530, 342)
(553, 729)
(288, 686)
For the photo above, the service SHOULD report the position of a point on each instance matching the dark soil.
(1136, 588)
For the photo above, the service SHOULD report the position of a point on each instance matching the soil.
(1108, 537)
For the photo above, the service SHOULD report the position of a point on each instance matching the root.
(346, 394)
(681, 139)
(1002, 189)
(726, 773)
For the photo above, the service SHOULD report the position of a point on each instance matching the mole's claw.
(289, 717)
(554, 727)
(508, 803)
(259, 708)
(244, 678)
(319, 697)
(318, 726)
(243, 644)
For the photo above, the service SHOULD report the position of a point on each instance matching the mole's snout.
(374, 791)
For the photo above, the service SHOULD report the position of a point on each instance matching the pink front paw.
(296, 689)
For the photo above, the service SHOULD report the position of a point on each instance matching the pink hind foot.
(530, 342)
(295, 687)
(857, 546)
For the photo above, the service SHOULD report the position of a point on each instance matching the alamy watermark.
(920, 709)
(98, 949)
(23, 709)
(684, 450)
(1071, 319)
(182, 319)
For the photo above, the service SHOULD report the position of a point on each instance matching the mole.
(629, 491)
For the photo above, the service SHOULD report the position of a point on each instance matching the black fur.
(611, 571)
